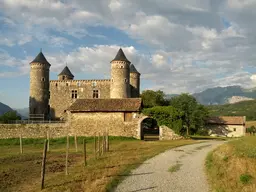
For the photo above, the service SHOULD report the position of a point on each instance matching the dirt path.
(176, 170)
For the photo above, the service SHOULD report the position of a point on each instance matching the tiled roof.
(40, 58)
(120, 56)
(133, 69)
(106, 105)
(67, 72)
(227, 120)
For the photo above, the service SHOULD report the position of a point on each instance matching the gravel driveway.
(177, 170)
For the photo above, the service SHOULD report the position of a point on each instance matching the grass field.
(21, 172)
(231, 167)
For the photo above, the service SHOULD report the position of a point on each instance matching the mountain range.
(212, 96)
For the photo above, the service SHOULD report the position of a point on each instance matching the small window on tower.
(66, 84)
(63, 77)
(74, 94)
(56, 84)
(95, 94)
(43, 79)
(125, 80)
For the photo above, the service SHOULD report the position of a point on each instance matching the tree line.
(9, 116)
(181, 113)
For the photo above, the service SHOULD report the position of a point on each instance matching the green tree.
(165, 115)
(193, 114)
(152, 98)
(9, 116)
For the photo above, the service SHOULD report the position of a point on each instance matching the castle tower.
(134, 82)
(39, 87)
(65, 74)
(120, 76)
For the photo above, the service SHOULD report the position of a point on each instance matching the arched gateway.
(148, 129)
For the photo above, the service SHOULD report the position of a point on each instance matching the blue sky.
(184, 46)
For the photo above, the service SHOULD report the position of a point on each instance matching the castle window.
(95, 94)
(74, 94)
(56, 84)
(63, 77)
(43, 79)
(125, 80)
(234, 129)
(66, 84)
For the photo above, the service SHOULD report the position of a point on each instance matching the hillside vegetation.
(231, 167)
(244, 108)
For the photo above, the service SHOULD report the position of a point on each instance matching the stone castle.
(51, 98)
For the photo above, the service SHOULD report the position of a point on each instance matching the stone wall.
(33, 130)
(61, 93)
(165, 133)
(80, 124)
(90, 123)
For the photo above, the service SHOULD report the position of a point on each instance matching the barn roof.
(106, 105)
(227, 120)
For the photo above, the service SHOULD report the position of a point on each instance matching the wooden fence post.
(43, 164)
(21, 147)
(107, 143)
(67, 148)
(75, 142)
(48, 138)
(103, 143)
(95, 146)
(99, 144)
(84, 142)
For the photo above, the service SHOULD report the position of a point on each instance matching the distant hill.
(223, 95)
(4, 108)
(23, 112)
(243, 108)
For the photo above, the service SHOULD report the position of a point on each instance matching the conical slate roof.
(133, 69)
(120, 56)
(66, 72)
(40, 58)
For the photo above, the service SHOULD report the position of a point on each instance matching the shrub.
(245, 178)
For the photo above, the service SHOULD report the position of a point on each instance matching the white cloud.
(192, 49)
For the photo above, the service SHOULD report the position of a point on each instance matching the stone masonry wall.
(33, 130)
(61, 92)
(90, 123)
(166, 133)
(81, 124)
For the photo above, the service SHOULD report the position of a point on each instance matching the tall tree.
(152, 98)
(193, 114)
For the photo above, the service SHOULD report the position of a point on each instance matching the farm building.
(228, 126)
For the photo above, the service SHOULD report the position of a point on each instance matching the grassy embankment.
(231, 167)
(22, 172)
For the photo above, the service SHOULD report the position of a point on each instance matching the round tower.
(39, 87)
(120, 76)
(134, 82)
(65, 74)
